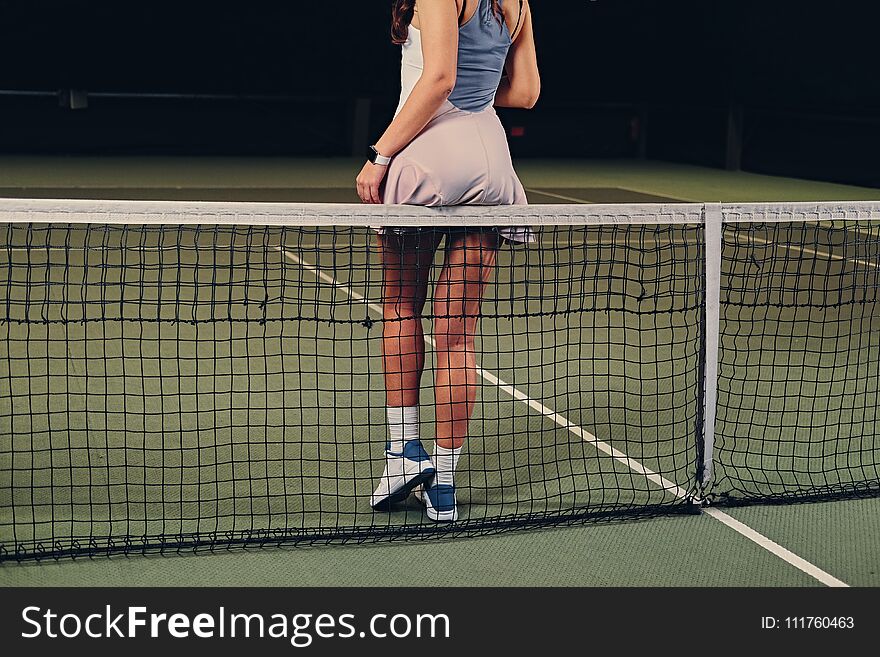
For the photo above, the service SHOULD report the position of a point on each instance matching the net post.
(713, 218)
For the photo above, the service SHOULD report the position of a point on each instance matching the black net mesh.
(198, 386)
(799, 366)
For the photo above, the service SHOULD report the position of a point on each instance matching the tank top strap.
(485, 10)
(489, 22)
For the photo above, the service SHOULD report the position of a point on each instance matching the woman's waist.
(485, 120)
(449, 111)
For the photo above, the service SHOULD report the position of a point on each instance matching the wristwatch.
(374, 157)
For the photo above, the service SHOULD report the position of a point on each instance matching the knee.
(399, 323)
(452, 335)
(399, 313)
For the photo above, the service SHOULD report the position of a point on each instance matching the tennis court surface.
(168, 382)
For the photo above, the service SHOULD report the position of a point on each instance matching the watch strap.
(376, 158)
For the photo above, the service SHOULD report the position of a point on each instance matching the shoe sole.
(403, 492)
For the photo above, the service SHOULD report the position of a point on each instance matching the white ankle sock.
(445, 462)
(403, 426)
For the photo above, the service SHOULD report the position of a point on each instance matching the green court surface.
(840, 538)
(677, 181)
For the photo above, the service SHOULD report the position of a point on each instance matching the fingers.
(365, 192)
(368, 188)
(369, 193)
(374, 193)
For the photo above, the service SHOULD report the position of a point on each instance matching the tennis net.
(200, 375)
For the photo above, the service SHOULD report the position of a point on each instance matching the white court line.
(824, 254)
(775, 548)
(583, 201)
(739, 527)
(561, 197)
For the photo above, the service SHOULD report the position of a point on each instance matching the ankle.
(450, 443)
(403, 427)
(445, 463)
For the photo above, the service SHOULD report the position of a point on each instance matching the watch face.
(371, 154)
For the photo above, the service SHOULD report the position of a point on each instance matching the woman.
(445, 146)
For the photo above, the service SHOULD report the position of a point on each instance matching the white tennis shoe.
(403, 472)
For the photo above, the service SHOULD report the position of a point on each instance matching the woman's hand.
(369, 180)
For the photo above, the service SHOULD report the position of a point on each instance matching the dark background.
(797, 81)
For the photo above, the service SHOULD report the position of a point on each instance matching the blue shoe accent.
(442, 497)
(412, 451)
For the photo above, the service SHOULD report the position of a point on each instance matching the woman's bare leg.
(406, 267)
(469, 262)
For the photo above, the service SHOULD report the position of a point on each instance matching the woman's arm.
(522, 84)
(439, 30)
(438, 24)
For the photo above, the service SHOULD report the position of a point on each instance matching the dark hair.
(402, 15)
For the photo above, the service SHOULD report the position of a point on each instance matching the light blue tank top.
(483, 44)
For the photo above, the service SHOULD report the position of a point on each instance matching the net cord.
(91, 211)
(140, 212)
